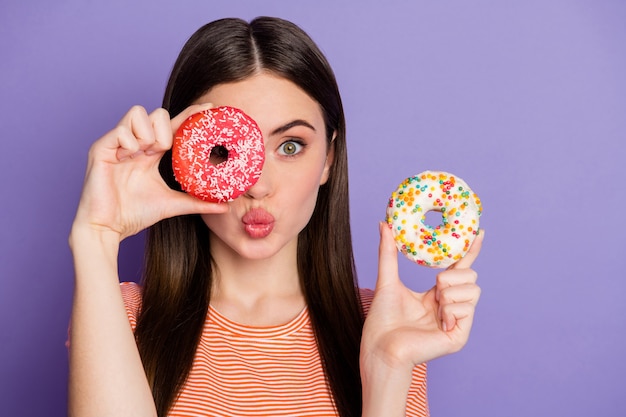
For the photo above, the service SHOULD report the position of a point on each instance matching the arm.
(123, 194)
(106, 373)
(404, 328)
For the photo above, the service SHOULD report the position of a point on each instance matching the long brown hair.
(177, 278)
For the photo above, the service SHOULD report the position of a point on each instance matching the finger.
(387, 257)
(465, 293)
(140, 125)
(162, 128)
(472, 253)
(116, 145)
(135, 133)
(452, 278)
(185, 114)
(459, 315)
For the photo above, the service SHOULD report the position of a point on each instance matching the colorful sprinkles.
(241, 146)
(434, 246)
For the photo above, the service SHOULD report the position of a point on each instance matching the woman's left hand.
(404, 328)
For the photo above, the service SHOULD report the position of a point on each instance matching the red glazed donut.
(218, 154)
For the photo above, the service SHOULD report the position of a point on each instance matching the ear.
(330, 158)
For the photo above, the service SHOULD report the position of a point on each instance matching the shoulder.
(131, 294)
(367, 295)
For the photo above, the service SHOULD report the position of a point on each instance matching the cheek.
(210, 220)
(306, 193)
(305, 183)
(302, 197)
(216, 222)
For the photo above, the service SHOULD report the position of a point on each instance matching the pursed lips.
(258, 223)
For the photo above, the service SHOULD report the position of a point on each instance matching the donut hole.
(218, 155)
(433, 218)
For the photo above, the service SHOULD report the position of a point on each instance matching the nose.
(264, 185)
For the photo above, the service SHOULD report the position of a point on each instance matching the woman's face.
(266, 220)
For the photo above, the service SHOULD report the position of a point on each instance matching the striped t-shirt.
(249, 371)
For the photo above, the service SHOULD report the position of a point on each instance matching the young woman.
(238, 316)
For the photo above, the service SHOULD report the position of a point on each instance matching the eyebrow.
(286, 127)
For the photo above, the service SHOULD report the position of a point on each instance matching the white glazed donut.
(218, 154)
(460, 208)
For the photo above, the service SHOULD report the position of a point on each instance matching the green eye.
(290, 148)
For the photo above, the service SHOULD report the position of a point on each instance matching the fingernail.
(444, 327)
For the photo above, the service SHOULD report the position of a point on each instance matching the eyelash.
(299, 147)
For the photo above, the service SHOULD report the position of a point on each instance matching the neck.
(256, 292)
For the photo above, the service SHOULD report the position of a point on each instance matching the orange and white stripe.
(261, 371)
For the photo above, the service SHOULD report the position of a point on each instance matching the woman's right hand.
(123, 192)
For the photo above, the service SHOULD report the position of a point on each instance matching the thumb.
(178, 120)
(184, 204)
(387, 258)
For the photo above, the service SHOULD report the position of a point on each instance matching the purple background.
(524, 100)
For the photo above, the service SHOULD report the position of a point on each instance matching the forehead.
(269, 99)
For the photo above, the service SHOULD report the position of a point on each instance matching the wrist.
(385, 389)
(84, 233)
(93, 244)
